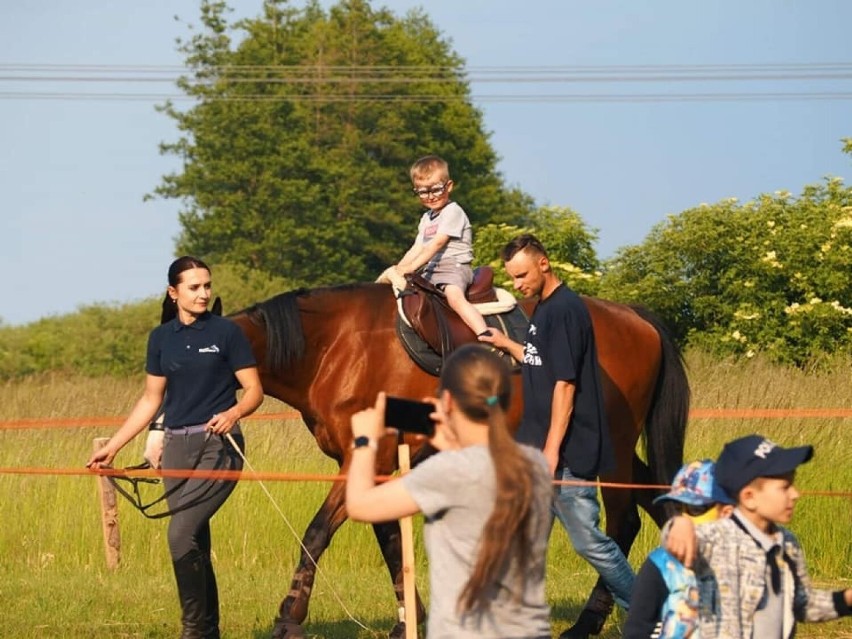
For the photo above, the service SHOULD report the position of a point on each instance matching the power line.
(646, 68)
(375, 83)
(382, 73)
(540, 98)
(417, 79)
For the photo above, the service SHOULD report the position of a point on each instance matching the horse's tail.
(665, 423)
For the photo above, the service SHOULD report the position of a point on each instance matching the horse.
(328, 351)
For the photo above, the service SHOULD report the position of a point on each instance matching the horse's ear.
(217, 306)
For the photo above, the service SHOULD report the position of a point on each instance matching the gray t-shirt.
(450, 220)
(456, 492)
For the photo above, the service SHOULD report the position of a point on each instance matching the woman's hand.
(102, 458)
(154, 448)
(143, 412)
(370, 422)
(223, 423)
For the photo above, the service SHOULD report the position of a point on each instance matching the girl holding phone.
(486, 500)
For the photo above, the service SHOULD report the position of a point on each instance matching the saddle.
(426, 310)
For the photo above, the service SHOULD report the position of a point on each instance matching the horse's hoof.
(398, 631)
(287, 630)
(587, 624)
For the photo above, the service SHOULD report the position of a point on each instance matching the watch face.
(362, 440)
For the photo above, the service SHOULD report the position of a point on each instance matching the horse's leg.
(294, 609)
(389, 537)
(645, 498)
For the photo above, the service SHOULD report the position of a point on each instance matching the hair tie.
(491, 400)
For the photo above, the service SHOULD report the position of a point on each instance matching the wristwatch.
(362, 440)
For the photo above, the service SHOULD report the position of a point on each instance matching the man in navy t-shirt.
(563, 408)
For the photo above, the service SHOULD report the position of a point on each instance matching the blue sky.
(75, 230)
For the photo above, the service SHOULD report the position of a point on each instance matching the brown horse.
(327, 352)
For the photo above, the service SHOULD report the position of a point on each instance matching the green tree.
(568, 240)
(296, 149)
(770, 275)
(240, 287)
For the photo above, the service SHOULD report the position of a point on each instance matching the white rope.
(296, 535)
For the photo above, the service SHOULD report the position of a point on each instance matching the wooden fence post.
(109, 514)
(407, 530)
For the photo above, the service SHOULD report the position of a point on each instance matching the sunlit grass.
(55, 583)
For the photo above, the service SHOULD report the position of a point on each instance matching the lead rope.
(296, 536)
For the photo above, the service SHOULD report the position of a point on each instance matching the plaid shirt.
(731, 572)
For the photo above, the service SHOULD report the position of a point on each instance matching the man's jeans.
(578, 509)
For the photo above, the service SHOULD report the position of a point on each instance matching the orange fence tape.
(772, 413)
(234, 475)
(695, 413)
(79, 422)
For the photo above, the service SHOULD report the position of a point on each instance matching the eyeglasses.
(432, 191)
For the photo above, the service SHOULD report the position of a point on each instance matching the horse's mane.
(285, 338)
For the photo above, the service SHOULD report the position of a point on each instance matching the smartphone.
(409, 415)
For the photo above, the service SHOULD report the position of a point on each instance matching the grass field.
(55, 584)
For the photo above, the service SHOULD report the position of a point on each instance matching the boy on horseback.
(443, 248)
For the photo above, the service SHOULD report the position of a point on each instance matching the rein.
(134, 495)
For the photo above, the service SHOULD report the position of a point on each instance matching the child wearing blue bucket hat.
(665, 595)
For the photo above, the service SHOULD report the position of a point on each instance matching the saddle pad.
(515, 324)
(505, 303)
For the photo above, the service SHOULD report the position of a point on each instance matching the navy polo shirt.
(198, 361)
(560, 346)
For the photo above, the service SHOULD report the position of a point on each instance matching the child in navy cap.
(751, 571)
(664, 603)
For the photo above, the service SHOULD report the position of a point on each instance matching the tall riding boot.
(211, 614)
(191, 576)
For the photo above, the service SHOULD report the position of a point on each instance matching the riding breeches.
(193, 501)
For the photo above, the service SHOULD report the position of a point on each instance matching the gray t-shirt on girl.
(456, 492)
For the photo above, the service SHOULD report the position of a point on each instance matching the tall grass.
(53, 580)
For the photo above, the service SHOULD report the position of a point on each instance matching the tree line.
(294, 156)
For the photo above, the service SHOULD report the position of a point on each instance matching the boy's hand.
(681, 541)
(392, 276)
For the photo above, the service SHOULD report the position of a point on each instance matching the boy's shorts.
(460, 275)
